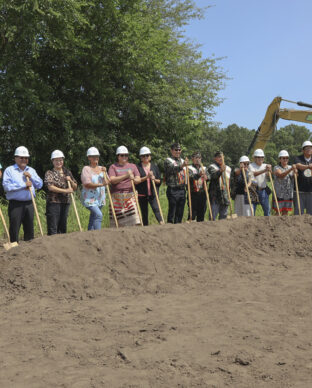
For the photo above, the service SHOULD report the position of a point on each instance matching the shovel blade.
(232, 217)
(10, 245)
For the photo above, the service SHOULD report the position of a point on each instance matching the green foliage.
(80, 73)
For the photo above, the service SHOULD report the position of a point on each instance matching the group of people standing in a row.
(124, 179)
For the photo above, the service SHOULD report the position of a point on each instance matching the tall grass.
(72, 225)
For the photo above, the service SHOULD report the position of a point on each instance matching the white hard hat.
(243, 159)
(306, 144)
(283, 153)
(21, 151)
(145, 151)
(93, 151)
(259, 152)
(57, 154)
(122, 150)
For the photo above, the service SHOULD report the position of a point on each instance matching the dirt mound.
(208, 305)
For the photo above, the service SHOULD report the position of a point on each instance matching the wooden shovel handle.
(75, 208)
(35, 206)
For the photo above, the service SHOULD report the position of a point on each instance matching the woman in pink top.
(121, 173)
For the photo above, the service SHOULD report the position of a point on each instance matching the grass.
(72, 225)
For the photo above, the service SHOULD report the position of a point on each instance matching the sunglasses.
(24, 157)
(285, 157)
(124, 155)
(177, 149)
(145, 156)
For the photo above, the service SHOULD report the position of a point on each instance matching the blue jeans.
(95, 219)
(264, 202)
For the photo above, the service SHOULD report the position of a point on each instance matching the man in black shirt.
(304, 167)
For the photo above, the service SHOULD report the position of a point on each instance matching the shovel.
(75, 207)
(232, 214)
(137, 201)
(248, 194)
(7, 245)
(35, 207)
(297, 192)
(189, 192)
(110, 199)
(207, 195)
(157, 199)
(274, 194)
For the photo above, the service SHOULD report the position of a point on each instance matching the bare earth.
(217, 304)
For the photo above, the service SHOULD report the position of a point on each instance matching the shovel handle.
(111, 200)
(157, 199)
(297, 193)
(5, 225)
(75, 207)
(274, 194)
(35, 206)
(248, 194)
(137, 201)
(207, 195)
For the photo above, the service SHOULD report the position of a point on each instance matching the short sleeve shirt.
(261, 179)
(57, 179)
(124, 186)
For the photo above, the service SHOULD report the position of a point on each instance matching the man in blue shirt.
(16, 186)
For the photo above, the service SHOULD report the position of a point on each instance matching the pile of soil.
(211, 304)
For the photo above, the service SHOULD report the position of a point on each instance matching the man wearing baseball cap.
(304, 166)
(16, 186)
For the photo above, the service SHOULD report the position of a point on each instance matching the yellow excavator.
(273, 114)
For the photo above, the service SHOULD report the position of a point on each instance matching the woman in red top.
(121, 173)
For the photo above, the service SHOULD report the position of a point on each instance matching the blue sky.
(267, 45)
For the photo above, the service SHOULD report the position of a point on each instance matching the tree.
(83, 73)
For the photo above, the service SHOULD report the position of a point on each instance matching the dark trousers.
(21, 213)
(57, 214)
(199, 206)
(144, 201)
(176, 198)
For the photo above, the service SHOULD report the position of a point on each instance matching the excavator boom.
(273, 114)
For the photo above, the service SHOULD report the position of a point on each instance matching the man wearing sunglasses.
(16, 185)
(175, 180)
(304, 166)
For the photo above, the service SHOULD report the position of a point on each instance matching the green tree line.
(75, 74)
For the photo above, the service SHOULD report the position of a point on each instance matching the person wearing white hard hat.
(16, 186)
(304, 166)
(241, 204)
(259, 171)
(93, 179)
(148, 171)
(121, 174)
(58, 194)
(284, 184)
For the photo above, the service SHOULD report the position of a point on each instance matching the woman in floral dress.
(284, 184)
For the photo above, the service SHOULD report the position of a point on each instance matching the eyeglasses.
(24, 157)
(124, 155)
(246, 164)
(145, 156)
(285, 157)
(177, 149)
